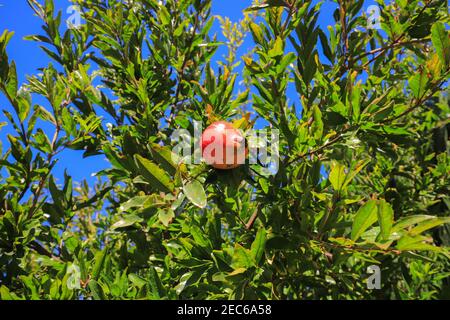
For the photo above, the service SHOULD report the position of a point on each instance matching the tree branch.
(252, 219)
(36, 246)
(44, 177)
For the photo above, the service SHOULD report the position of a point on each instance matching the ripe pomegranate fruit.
(223, 146)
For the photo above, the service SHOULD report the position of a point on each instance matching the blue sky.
(16, 15)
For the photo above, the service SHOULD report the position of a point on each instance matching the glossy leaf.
(385, 218)
(157, 177)
(364, 218)
(195, 193)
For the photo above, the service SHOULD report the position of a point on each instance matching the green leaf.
(155, 285)
(166, 216)
(264, 185)
(180, 29)
(68, 122)
(5, 294)
(164, 15)
(359, 166)
(126, 221)
(42, 142)
(24, 103)
(285, 62)
(277, 49)
(242, 258)
(356, 101)
(158, 178)
(385, 218)
(140, 202)
(82, 265)
(16, 148)
(71, 244)
(406, 222)
(268, 4)
(96, 290)
(256, 7)
(195, 193)
(365, 217)
(415, 243)
(418, 84)
(29, 283)
(183, 281)
(189, 279)
(236, 272)
(441, 41)
(12, 83)
(317, 125)
(256, 32)
(136, 280)
(337, 176)
(429, 224)
(99, 261)
(199, 237)
(167, 159)
(4, 39)
(325, 45)
(258, 245)
(44, 114)
(113, 157)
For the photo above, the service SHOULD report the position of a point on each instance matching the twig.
(395, 44)
(344, 35)
(43, 251)
(329, 143)
(418, 103)
(252, 219)
(44, 177)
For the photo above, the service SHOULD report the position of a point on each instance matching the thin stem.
(393, 45)
(43, 179)
(419, 101)
(319, 149)
(36, 246)
(252, 219)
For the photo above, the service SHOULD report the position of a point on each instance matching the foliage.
(364, 155)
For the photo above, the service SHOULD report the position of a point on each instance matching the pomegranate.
(223, 146)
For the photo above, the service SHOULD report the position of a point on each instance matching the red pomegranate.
(223, 146)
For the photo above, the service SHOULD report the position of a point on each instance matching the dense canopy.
(359, 176)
